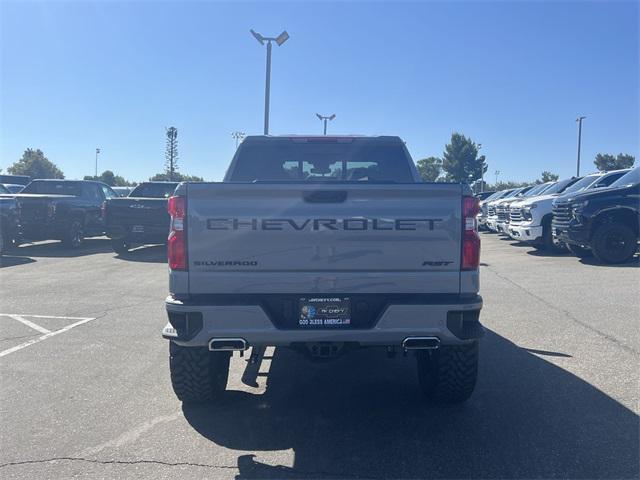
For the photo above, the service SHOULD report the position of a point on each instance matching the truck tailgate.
(137, 211)
(294, 238)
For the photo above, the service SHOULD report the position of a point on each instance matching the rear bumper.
(525, 233)
(452, 320)
(150, 233)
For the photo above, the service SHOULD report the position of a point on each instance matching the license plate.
(324, 312)
(137, 229)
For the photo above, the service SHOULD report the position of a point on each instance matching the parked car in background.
(483, 195)
(492, 211)
(12, 187)
(15, 179)
(140, 218)
(530, 218)
(483, 214)
(67, 210)
(123, 191)
(502, 208)
(602, 221)
(8, 222)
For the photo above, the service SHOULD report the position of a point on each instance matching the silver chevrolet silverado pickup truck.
(323, 245)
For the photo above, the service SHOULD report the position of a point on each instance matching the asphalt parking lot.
(86, 392)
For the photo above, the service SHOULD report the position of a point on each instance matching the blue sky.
(511, 75)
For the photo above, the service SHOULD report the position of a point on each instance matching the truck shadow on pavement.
(11, 260)
(634, 263)
(362, 416)
(55, 249)
(145, 254)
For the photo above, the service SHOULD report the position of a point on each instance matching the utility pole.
(497, 174)
(579, 120)
(280, 39)
(96, 171)
(324, 119)
(238, 136)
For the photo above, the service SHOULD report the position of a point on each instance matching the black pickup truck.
(602, 222)
(67, 210)
(140, 218)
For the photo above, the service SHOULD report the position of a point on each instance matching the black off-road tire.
(74, 235)
(198, 375)
(120, 246)
(579, 251)
(614, 243)
(448, 374)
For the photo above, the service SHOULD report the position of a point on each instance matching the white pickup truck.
(531, 217)
(323, 245)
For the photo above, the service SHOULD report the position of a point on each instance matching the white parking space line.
(45, 316)
(48, 334)
(30, 324)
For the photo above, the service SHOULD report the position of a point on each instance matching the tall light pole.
(280, 39)
(579, 120)
(238, 136)
(97, 153)
(324, 119)
(497, 174)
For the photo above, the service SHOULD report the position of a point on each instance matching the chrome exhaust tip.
(421, 343)
(227, 344)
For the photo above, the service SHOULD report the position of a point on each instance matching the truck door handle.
(325, 196)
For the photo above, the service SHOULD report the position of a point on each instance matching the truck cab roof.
(320, 138)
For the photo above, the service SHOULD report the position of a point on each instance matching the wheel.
(579, 251)
(120, 246)
(614, 243)
(549, 243)
(448, 374)
(74, 236)
(198, 375)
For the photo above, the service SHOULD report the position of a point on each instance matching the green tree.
(36, 165)
(429, 168)
(171, 152)
(605, 161)
(506, 185)
(461, 161)
(548, 177)
(177, 177)
(110, 179)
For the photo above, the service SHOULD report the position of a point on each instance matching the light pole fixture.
(324, 119)
(497, 172)
(579, 121)
(96, 171)
(280, 39)
(238, 136)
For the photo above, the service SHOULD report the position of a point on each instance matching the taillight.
(470, 238)
(176, 244)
